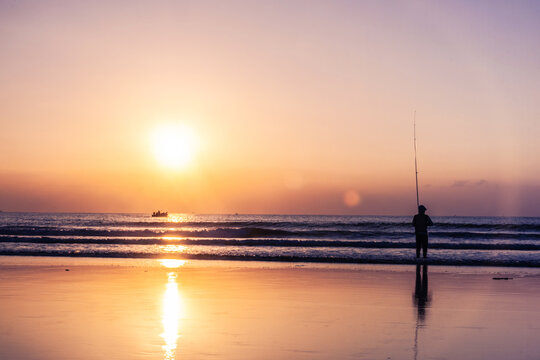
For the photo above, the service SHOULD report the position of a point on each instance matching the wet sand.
(147, 309)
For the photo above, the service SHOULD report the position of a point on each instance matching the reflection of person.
(421, 291)
(421, 301)
(421, 222)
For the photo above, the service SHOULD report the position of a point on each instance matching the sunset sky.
(300, 107)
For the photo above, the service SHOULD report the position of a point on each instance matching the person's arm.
(429, 222)
(414, 221)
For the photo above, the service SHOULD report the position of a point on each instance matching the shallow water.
(147, 309)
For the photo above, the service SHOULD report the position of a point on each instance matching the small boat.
(160, 214)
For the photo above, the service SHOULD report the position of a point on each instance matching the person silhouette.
(421, 222)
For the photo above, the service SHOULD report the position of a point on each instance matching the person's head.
(422, 209)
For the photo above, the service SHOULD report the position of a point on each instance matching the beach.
(269, 180)
(93, 308)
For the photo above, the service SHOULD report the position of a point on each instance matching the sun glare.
(174, 146)
(172, 263)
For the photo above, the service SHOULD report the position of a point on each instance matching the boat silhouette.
(160, 214)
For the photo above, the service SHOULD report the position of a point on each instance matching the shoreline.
(119, 262)
(288, 259)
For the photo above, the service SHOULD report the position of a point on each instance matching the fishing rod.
(416, 162)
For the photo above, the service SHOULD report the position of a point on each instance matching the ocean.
(491, 241)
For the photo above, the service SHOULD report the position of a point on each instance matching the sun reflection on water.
(173, 248)
(172, 310)
(172, 263)
(178, 218)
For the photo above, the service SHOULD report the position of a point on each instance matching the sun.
(174, 145)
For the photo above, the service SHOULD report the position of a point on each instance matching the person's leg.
(424, 245)
(418, 245)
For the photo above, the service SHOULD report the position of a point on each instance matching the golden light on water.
(173, 248)
(172, 311)
(172, 263)
(174, 145)
(172, 238)
(177, 218)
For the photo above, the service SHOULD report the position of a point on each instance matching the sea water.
(303, 238)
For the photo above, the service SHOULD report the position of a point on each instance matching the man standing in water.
(421, 222)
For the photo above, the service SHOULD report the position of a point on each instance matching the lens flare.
(351, 198)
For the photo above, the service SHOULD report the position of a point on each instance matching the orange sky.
(296, 105)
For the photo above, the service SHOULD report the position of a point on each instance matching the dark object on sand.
(502, 278)
(67, 269)
(160, 214)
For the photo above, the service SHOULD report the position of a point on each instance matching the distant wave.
(257, 232)
(376, 225)
(270, 243)
(219, 232)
